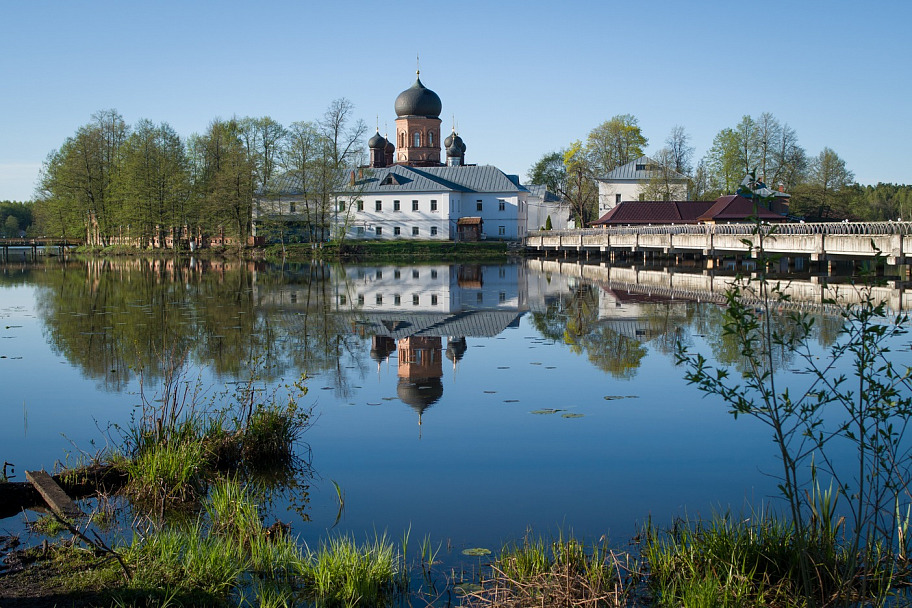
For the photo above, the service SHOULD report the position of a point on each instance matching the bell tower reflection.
(420, 372)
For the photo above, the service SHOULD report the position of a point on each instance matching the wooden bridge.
(817, 241)
(32, 248)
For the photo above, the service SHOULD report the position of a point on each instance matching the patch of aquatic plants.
(181, 439)
(728, 561)
(557, 572)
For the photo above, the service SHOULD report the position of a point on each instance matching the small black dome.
(420, 393)
(454, 145)
(418, 100)
(377, 141)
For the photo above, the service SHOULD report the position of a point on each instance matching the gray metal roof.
(466, 178)
(466, 323)
(629, 171)
(541, 191)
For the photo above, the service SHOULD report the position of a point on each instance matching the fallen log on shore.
(77, 483)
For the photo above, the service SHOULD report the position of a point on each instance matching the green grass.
(344, 573)
(750, 562)
(556, 572)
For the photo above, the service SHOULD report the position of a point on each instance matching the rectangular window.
(617, 197)
(378, 205)
(414, 205)
(379, 298)
(433, 205)
(396, 230)
(360, 299)
(379, 230)
(397, 299)
(478, 206)
(434, 300)
(414, 230)
(501, 230)
(433, 230)
(342, 299)
(291, 207)
(341, 206)
(502, 297)
(360, 205)
(396, 206)
(397, 274)
(379, 274)
(433, 274)
(501, 205)
(360, 230)
(502, 272)
(414, 274)
(415, 300)
(479, 297)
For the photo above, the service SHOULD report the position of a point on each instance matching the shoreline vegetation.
(437, 251)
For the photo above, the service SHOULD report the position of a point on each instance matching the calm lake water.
(467, 402)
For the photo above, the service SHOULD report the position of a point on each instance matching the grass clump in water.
(561, 572)
(748, 562)
(344, 573)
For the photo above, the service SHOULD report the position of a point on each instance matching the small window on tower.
(430, 138)
(417, 139)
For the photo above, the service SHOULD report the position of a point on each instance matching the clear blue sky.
(521, 78)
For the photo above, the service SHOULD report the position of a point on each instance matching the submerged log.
(77, 483)
(53, 495)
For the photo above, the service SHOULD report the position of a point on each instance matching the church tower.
(418, 126)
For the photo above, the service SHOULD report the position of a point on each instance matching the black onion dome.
(420, 393)
(377, 141)
(454, 145)
(389, 146)
(418, 100)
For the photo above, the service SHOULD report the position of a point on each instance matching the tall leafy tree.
(549, 171)
(613, 143)
(153, 181)
(76, 184)
(723, 163)
(580, 189)
(224, 175)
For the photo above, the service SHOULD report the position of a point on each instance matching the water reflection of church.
(409, 312)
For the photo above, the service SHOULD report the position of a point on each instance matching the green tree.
(613, 143)
(549, 171)
(11, 226)
(224, 179)
(827, 192)
(723, 163)
(153, 181)
(580, 190)
(76, 184)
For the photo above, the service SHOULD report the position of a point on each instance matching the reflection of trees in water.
(114, 317)
(573, 318)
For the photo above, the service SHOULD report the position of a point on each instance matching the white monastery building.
(418, 186)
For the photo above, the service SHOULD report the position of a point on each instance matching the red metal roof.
(731, 208)
(655, 212)
(734, 208)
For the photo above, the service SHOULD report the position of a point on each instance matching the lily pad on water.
(369, 403)
(490, 392)
(535, 363)
(467, 588)
(476, 551)
(613, 397)
(545, 411)
(504, 367)
(511, 400)
(571, 415)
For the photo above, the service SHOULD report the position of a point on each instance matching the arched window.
(402, 140)
(417, 139)
(431, 139)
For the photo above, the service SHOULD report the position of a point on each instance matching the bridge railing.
(792, 228)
